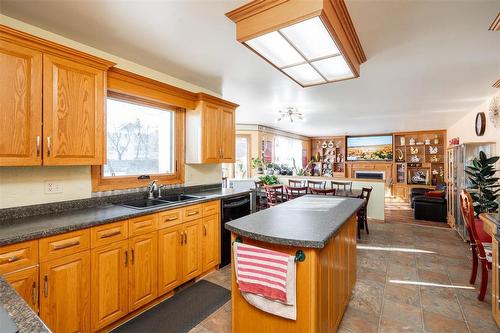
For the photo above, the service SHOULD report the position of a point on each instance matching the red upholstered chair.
(274, 194)
(480, 243)
(316, 184)
(322, 191)
(295, 192)
(296, 183)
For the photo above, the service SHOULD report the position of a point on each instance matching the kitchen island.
(324, 229)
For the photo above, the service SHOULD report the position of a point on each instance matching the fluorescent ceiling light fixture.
(311, 38)
(334, 68)
(276, 49)
(304, 74)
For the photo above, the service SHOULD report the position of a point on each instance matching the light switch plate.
(52, 187)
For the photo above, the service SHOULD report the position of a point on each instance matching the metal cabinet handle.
(126, 258)
(111, 234)
(48, 146)
(46, 286)
(132, 258)
(13, 258)
(172, 218)
(34, 293)
(38, 145)
(182, 238)
(67, 245)
(205, 229)
(193, 213)
(185, 237)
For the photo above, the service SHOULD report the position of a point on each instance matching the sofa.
(429, 207)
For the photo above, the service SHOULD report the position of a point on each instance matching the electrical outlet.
(52, 187)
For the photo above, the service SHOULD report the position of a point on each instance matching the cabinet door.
(25, 282)
(191, 258)
(143, 270)
(211, 134)
(65, 293)
(210, 242)
(20, 105)
(109, 284)
(169, 258)
(73, 107)
(228, 139)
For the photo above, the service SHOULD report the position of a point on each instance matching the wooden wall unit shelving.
(328, 155)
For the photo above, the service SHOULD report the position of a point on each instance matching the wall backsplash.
(21, 186)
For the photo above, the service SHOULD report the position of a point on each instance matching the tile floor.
(411, 278)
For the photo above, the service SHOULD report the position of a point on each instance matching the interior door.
(210, 242)
(212, 150)
(72, 112)
(109, 293)
(169, 259)
(143, 270)
(20, 105)
(191, 258)
(228, 139)
(25, 282)
(65, 293)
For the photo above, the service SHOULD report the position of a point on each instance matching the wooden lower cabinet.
(169, 258)
(191, 251)
(143, 270)
(25, 282)
(65, 293)
(109, 284)
(210, 242)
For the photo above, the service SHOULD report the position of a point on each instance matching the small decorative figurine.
(413, 150)
(427, 141)
(436, 140)
(412, 141)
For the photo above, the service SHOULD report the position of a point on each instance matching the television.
(369, 148)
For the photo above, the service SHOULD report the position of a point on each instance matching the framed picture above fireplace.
(369, 148)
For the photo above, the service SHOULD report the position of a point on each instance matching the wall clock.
(494, 112)
(480, 123)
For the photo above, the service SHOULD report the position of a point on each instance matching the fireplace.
(369, 174)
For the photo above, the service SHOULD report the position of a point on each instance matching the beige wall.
(21, 186)
(465, 130)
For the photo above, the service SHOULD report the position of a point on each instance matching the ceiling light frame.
(260, 17)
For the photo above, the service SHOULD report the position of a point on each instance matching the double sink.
(162, 201)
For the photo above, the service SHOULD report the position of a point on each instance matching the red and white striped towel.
(262, 272)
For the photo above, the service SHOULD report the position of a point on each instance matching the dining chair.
(293, 192)
(316, 184)
(480, 243)
(274, 194)
(362, 212)
(322, 191)
(260, 197)
(338, 184)
(296, 183)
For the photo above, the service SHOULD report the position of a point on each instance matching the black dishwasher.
(232, 208)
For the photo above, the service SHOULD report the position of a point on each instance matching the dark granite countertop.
(16, 230)
(308, 221)
(26, 320)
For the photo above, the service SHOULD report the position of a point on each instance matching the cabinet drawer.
(169, 218)
(211, 208)
(192, 213)
(108, 233)
(17, 256)
(63, 245)
(142, 225)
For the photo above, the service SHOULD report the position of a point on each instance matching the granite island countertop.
(15, 230)
(308, 221)
(21, 314)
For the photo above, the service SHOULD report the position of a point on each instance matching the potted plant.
(269, 169)
(269, 180)
(302, 172)
(482, 176)
(258, 164)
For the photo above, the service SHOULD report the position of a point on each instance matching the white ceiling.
(429, 62)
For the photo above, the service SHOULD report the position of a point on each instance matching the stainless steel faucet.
(152, 187)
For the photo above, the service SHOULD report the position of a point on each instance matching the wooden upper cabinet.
(228, 138)
(73, 112)
(210, 131)
(20, 105)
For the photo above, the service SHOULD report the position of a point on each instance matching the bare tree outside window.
(140, 139)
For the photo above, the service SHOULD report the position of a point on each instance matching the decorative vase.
(427, 141)
(412, 141)
(402, 141)
(436, 140)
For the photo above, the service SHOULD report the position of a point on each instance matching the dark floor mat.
(181, 312)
